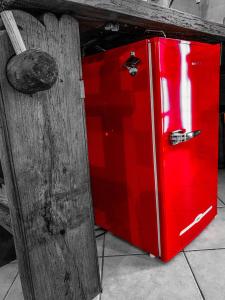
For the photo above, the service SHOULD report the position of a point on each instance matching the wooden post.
(44, 157)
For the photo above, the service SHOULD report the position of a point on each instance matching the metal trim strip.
(154, 147)
(196, 220)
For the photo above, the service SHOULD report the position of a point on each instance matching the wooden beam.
(136, 12)
(44, 158)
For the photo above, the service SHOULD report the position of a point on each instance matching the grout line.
(196, 250)
(10, 286)
(100, 234)
(193, 274)
(220, 199)
(102, 267)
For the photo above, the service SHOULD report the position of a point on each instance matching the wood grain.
(13, 31)
(136, 12)
(44, 157)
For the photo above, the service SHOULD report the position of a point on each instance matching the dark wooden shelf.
(133, 12)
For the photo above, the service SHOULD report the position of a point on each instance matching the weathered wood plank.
(44, 160)
(135, 12)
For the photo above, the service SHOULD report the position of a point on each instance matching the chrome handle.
(179, 136)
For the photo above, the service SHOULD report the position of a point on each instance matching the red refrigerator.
(152, 125)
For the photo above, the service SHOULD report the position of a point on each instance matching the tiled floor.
(129, 274)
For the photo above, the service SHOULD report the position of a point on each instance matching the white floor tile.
(209, 270)
(140, 277)
(213, 236)
(116, 246)
(220, 203)
(15, 292)
(99, 243)
(221, 184)
(7, 275)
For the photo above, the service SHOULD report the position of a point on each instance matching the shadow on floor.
(7, 249)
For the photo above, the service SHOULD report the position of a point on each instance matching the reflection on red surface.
(185, 87)
(120, 142)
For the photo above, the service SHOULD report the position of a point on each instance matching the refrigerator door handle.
(179, 136)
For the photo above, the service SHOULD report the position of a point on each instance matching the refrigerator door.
(118, 116)
(185, 85)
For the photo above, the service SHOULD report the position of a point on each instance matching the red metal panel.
(186, 82)
(120, 149)
(184, 94)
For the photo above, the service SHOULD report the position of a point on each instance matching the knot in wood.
(32, 71)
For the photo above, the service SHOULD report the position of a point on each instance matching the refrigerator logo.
(197, 220)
